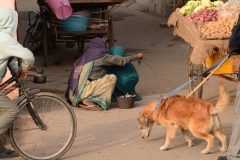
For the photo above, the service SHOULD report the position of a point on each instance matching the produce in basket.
(217, 29)
(203, 15)
(227, 18)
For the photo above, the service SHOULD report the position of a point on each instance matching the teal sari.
(127, 76)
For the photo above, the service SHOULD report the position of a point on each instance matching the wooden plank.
(77, 33)
(236, 63)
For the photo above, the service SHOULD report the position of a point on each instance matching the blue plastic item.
(74, 23)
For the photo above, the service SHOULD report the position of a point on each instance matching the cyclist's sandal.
(91, 107)
(8, 154)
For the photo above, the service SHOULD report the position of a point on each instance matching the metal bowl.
(40, 78)
(125, 102)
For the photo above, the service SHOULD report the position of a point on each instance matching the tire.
(193, 71)
(33, 143)
(33, 42)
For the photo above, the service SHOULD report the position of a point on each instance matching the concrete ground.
(113, 134)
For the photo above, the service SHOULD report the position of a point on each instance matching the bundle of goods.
(98, 26)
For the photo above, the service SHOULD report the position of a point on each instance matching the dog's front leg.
(171, 131)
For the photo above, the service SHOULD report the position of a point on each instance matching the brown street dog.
(188, 114)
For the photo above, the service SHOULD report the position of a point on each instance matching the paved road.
(113, 134)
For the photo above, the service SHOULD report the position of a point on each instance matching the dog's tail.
(223, 100)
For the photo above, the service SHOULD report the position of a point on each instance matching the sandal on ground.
(91, 107)
(8, 154)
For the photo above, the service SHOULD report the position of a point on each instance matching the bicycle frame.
(26, 94)
(35, 23)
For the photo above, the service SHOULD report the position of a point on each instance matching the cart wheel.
(193, 71)
(110, 32)
(80, 43)
(45, 40)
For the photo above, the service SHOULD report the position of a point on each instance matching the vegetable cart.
(204, 52)
(99, 24)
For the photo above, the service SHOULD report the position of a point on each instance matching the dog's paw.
(222, 149)
(163, 148)
(190, 144)
(205, 151)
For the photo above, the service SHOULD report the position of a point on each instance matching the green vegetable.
(217, 3)
(206, 3)
(198, 8)
(195, 6)
(185, 10)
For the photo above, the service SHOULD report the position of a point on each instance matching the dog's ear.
(143, 120)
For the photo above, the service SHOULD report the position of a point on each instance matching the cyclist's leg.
(10, 113)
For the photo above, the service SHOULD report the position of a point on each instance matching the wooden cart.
(54, 35)
(203, 53)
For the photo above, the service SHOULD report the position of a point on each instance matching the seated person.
(88, 85)
(127, 76)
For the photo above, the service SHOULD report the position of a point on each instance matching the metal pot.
(40, 78)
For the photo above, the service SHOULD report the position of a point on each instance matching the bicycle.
(38, 34)
(33, 38)
(46, 125)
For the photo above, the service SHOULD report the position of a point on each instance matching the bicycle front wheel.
(34, 143)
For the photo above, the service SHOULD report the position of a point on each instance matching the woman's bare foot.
(88, 103)
(91, 107)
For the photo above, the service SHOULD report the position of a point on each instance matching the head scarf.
(8, 20)
(96, 49)
(117, 51)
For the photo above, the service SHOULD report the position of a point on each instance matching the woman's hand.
(139, 56)
(21, 74)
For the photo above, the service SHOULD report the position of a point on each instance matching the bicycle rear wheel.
(34, 143)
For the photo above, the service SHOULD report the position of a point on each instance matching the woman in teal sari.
(127, 76)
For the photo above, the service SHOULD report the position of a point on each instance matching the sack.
(234, 40)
